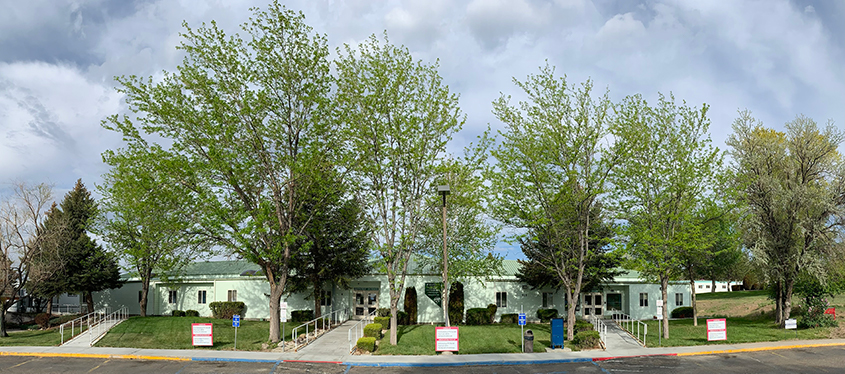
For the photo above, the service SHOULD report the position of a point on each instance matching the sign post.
(236, 322)
(202, 334)
(792, 324)
(660, 322)
(446, 339)
(283, 316)
(717, 329)
(522, 325)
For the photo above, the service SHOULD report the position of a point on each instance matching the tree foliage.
(793, 191)
(400, 117)
(246, 123)
(668, 174)
(553, 166)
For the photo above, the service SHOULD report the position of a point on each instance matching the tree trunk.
(787, 301)
(50, 306)
(570, 317)
(729, 286)
(145, 292)
(275, 318)
(692, 302)
(778, 303)
(713, 285)
(318, 297)
(394, 309)
(89, 300)
(664, 282)
(3, 332)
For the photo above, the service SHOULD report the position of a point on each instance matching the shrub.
(587, 340)
(456, 303)
(491, 311)
(682, 312)
(192, 313)
(43, 320)
(546, 315)
(383, 321)
(510, 318)
(402, 318)
(177, 313)
(383, 312)
(813, 309)
(373, 330)
(411, 305)
(478, 316)
(226, 309)
(581, 325)
(366, 344)
(302, 315)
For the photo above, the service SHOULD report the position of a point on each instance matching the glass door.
(593, 304)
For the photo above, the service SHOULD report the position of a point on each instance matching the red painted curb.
(314, 362)
(615, 357)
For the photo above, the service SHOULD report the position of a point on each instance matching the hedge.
(587, 340)
(192, 313)
(581, 325)
(383, 321)
(510, 318)
(546, 315)
(456, 304)
(373, 330)
(478, 316)
(302, 315)
(226, 309)
(402, 318)
(177, 313)
(682, 312)
(491, 313)
(43, 320)
(366, 344)
(383, 312)
(411, 305)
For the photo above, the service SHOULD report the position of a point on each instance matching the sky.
(776, 58)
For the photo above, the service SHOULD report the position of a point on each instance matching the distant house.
(209, 281)
(703, 286)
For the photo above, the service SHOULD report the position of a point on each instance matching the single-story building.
(209, 281)
(704, 286)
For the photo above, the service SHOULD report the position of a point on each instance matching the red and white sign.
(717, 329)
(446, 339)
(202, 334)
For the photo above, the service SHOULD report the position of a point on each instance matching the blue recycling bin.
(557, 332)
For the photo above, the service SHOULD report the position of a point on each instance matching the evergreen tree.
(48, 260)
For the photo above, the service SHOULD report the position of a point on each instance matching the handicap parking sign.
(521, 319)
(236, 320)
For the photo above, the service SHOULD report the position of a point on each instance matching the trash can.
(528, 339)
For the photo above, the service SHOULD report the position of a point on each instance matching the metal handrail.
(601, 327)
(100, 329)
(73, 323)
(632, 327)
(358, 327)
(330, 320)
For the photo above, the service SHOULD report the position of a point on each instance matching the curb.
(772, 348)
(93, 355)
(468, 363)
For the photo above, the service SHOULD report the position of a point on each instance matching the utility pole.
(443, 191)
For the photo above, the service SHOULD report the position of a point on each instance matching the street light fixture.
(443, 191)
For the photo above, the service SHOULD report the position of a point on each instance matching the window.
(548, 300)
(679, 299)
(699, 286)
(232, 296)
(723, 286)
(171, 296)
(326, 298)
(502, 299)
(201, 297)
(643, 299)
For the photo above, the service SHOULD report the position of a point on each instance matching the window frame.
(501, 299)
(172, 296)
(679, 299)
(643, 299)
(202, 297)
(232, 296)
(548, 299)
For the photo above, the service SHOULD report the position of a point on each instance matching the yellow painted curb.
(90, 355)
(773, 348)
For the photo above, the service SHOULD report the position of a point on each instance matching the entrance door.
(614, 303)
(592, 304)
(365, 302)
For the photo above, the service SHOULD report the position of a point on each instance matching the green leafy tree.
(247, 122)
(144, 218)
(791, 186)
(334, 248)
(669, 172)
(471, 235)
(400, 117)
(553, 167)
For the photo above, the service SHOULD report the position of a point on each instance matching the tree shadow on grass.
(405, 329)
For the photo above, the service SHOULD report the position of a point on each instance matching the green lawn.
(175, 333)
(731, 295)
(498, 338)
(32, 338)
(740, 330)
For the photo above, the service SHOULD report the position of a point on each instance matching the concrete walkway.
(619, 339)
(85, 339)
(331, 346)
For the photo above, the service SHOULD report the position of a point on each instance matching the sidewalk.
(314, 353)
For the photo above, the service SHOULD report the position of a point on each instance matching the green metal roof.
(220, 268)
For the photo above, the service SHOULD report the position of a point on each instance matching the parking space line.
(96, 367)
(22, 363)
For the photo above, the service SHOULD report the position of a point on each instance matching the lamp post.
(443, 191)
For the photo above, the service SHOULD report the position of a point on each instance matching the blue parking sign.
(236, 320)
(522, 319)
